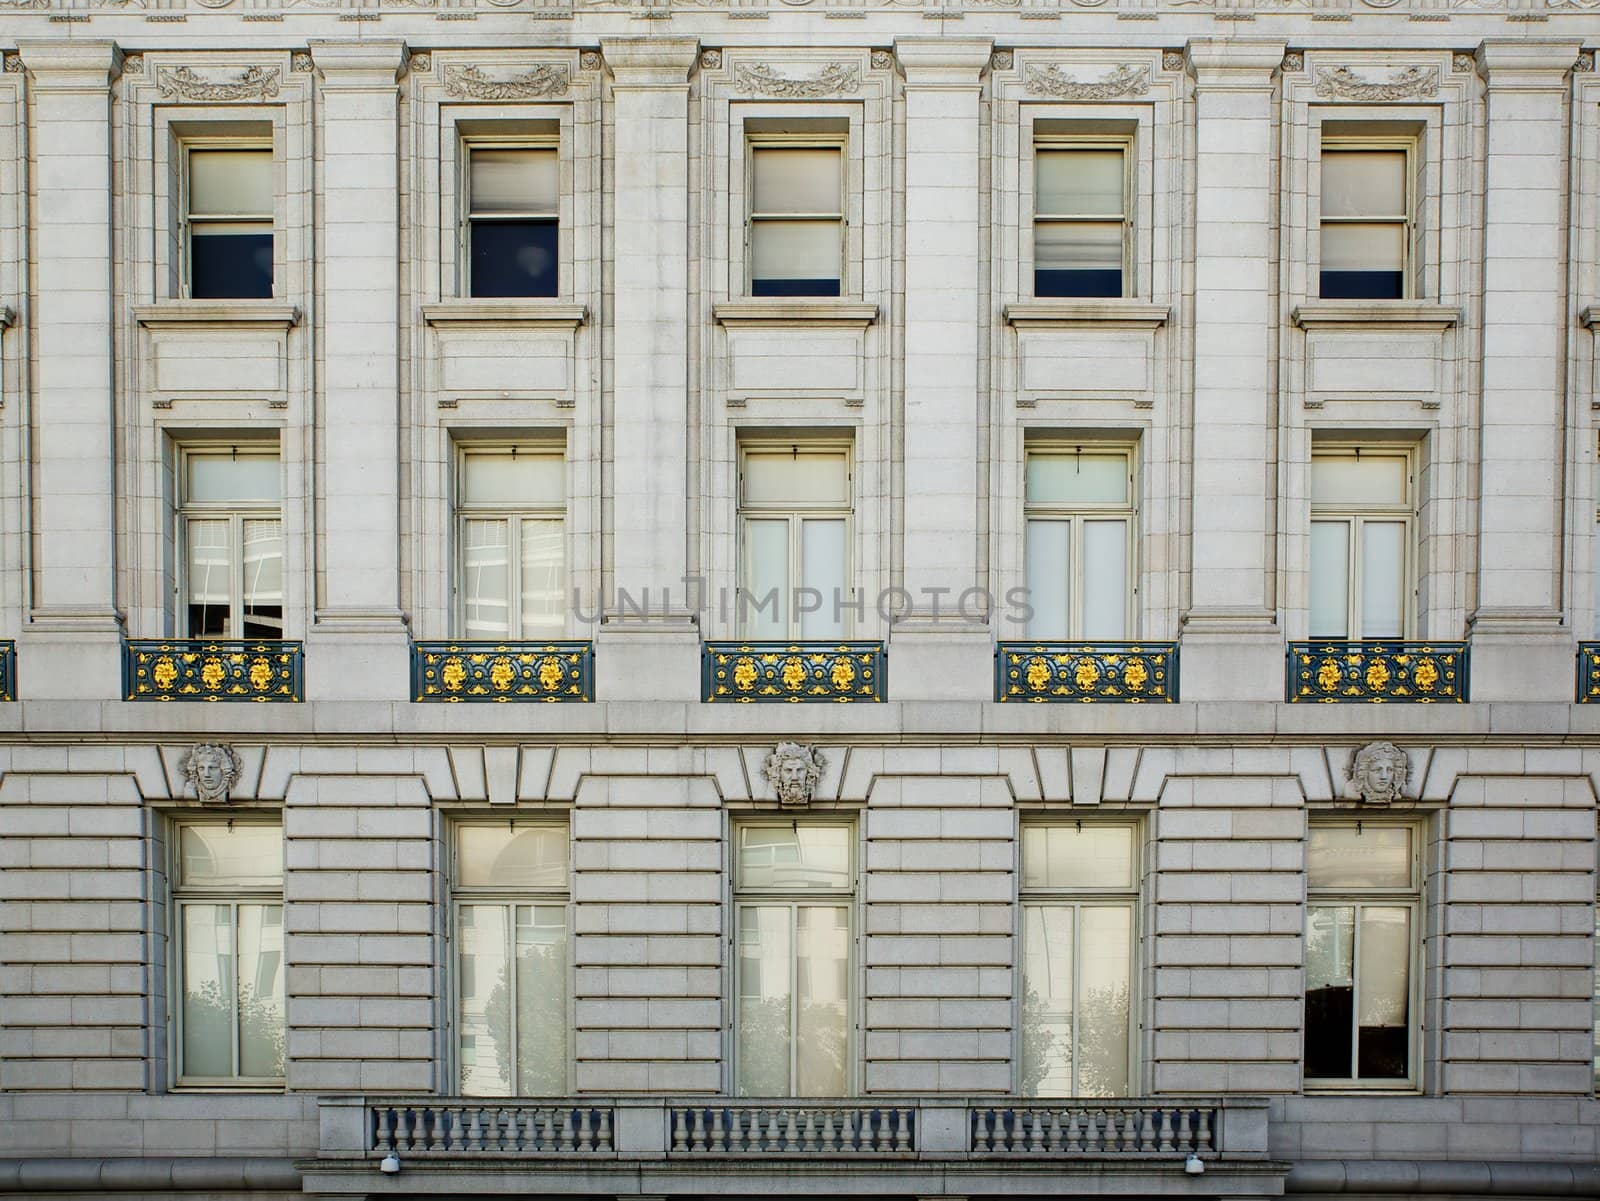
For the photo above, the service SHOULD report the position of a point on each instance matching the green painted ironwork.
(209, 669)
(499, 672)
(1588, 673)
(1377, 671)
(793, 672)
(1127, 673)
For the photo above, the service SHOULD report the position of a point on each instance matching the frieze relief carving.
(253, 83)
(1378, 773)
(833, 80)
(549, 79)
(1130, 79)
(211, 769)
(1344, 84)
(794, 770)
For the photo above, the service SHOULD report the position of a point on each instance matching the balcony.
(8, 670)
(793, 672)
(500, 672)
(1374, 672)
(1588, 674)
(207, 669)
(1128, 673)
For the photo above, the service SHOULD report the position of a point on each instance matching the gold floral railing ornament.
(1115, 672)
(1589, 673)
(793, 672)
(1377, 671)
(207, 669)
(451, 672)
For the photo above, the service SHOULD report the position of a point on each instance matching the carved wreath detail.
(253, 83)
(830, 81)
(1130, 79)
(548, 80)
(1345, 84)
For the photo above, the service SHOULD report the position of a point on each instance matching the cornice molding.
(1387, 314)
(645, 62)
(189, 314)
(1105, 314)
(517, 312)
(808, 311)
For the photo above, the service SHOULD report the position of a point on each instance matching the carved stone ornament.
(253, 83)
(1130, 79)
(711, 60)
(419, 64)
(589, 60)
(833, 79)
(1344, 84)
(1001, 60)
(212, 769)
(883, 60)
(1172, 60)
(1463, 62)
(794, 770)
(1378, 773)
(1294, 60)
(550, 79)
(300, 62)
(133, 64)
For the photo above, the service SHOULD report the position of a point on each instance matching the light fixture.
(391, 1164)
(1194, 1165)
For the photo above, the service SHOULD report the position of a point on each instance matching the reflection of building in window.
(510, 887)
(1079, 510)
(793, 887)
(511, 509)
(1079, 893)
(794, 517)
(1362, 516)
(231, 527)
(1361, 917)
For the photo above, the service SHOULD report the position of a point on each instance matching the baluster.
(585, 1129)
(1036, 1132)
(1130, 1130)
(791, 1132)
(402, 1128)
(719, 1133)
(829, 1133)
(902, 1131)
(698, 1143)
(602, 1140)
(847, 1130)
(1147, 1131)
(808, 1131)
(474, 1130)
(493, 1134)
(381, 1137)
(566, 1129)
(1074, 1132)
(1203, 1138)
(1091, 1134)
(438, 1118)
(736, 1136)
(1166, 1129)
(1185, 1132)
(547, 1129)
(457, 1133)
(1052, 1134)
(764, 1122)
(680, 1131)
(883, 1134)
(528, 1129)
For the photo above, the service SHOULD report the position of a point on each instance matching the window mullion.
(513, 1003)
(233, 1000)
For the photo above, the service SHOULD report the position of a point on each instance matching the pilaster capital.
(358, 66)
(943, 63)
(59, 64)
(1235, 64)
(646, 62)
(1521, 65)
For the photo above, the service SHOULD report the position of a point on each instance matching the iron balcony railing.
(451, 672)
(1116, 672)
(793, 672)
(210, 669)
(1588, 673)
(8, 670)
(1376, 671)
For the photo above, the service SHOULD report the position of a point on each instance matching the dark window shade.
(1077, 283)
(1363, 285)
(230, 266)
(515, 258)
(794, 287)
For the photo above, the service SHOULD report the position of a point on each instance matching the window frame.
(508, 899)
(847, 898)
(821, 139)
(1356, 516)
(1409, 144)
(186, 145)
(1077, 899)
(180, 896)
(1413, 899)
(1050, 141)
(237, 513)
(532, 139)
(462, 513)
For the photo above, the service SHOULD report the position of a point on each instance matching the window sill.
(816, 311)
(182, 314)
(1387, 314)
(1062, 314)
(516, 312)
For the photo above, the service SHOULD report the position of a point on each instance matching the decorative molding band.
(833, 80)
(1130, 79)
(1109, 314)
(505, 313)
(253, 83)
(1342, 83)
(184, 314)
(549, 79)
(1387, 314)
(819, 311)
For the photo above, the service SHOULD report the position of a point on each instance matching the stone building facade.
(930, 598)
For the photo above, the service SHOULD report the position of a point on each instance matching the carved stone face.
(213, 769)
(792, 782)
(1378, 773)
(793, 770)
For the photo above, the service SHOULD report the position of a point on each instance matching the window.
(1366, 218)
(794, 517)
(1079, 516)
(513, 219)
(511, 937)
(511, 504)
(1079, 893)
(231, 528)
(1080, 218)
(1363, 897)
(1362, 513)
(228, 922)
(229, 218)
(793, 888)
(796, 234)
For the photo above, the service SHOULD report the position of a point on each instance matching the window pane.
(1367, 479)
(1105, 979)
(822, 560)
(822, 967)
(1047, 983)
(1066, 477)
(1383, 1016)
(208, 577)
(1330, 991)
(1383, 559)
(797, 179)
(208, 990)
(762, 1022)
(795, 258)
(1069, 857)
(260, 990)
(243, 856)
(1363, 248)
(229, 476)
(1330, 579)
(1078, 183)
(515, 179)
(1105, 580)
(231, 261)
(512, 480)
(498, 856)
(541, 948)
(764, 608)
(790, 476)
(794, 857)
(1077, 258)
(263, 578)
(1363, 183)
(1368, 856)
(515, 257)
(230, 183)
(486, 580)
(485, 990)
(543, 580)
(1047, 555)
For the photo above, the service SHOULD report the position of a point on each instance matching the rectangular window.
(228, 208)
(231, 528)
(1366, 218)
(510, 901)
(1362, 518)
(511, 513)
(795, 537)
(1081, 218)
(796, 229)
(1363, 904)
(513, 219)
(1079, 518)
(227, 901)
(1079, 894)
(794, 888)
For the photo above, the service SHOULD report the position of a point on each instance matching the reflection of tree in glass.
(541, 1020)
(1103, 1042)
(1039, 1045)
(823, 1053)
(763, 1046)
(208, 1023)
